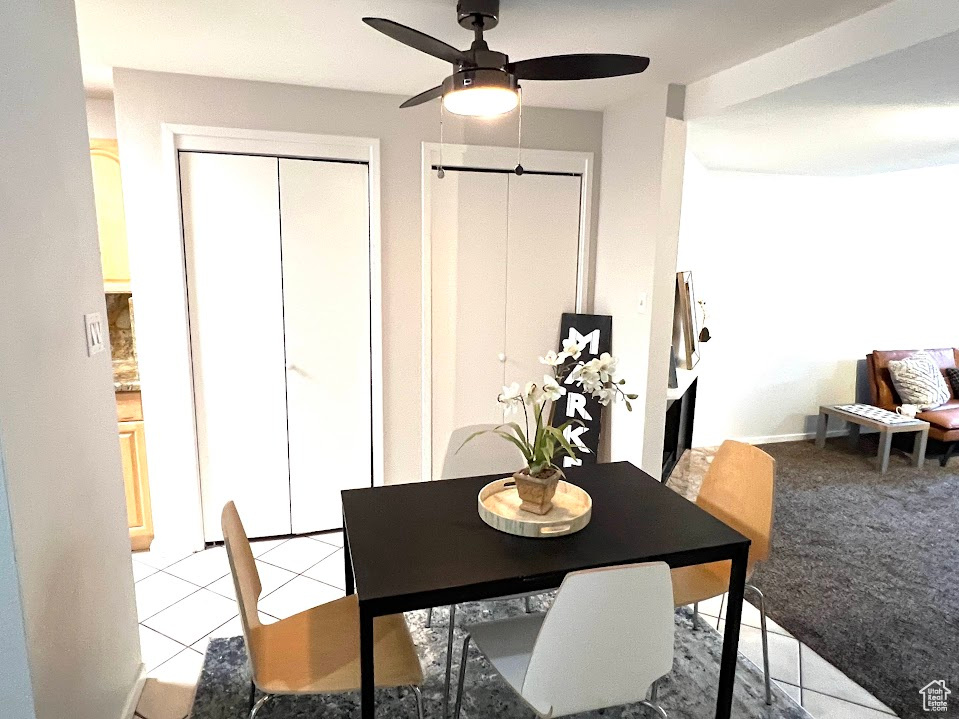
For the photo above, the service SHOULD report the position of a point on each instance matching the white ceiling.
(323, 43)
(895, 112)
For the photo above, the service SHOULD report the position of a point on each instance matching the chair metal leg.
(429, 618)
(528, 608)
(259, 705)
(762, 624)
(449, 662)
(651, 703)
(252, 696)
(459, 690)
(418, 695)
(695, 616)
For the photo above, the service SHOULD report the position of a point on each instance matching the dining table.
(421, 545)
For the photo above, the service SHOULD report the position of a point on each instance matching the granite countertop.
(126, 376)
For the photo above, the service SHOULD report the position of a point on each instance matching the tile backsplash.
(122, 339)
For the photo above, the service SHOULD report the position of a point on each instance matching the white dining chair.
(485, 454)
(606, 641)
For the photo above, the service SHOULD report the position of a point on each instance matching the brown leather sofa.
(943, 421)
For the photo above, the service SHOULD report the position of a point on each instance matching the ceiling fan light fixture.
(480, 93)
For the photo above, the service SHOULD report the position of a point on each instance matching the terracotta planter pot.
(536, 492)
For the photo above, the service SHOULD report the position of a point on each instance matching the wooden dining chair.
(606, 641)
(738, 489)
(316, 651)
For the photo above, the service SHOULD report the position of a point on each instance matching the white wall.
(58, 433)
(641, 185)
(803, 276)
(101, 119)
(144, 101)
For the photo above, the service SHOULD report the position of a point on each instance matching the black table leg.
(367, 707)
(734, 610)
(347, 562)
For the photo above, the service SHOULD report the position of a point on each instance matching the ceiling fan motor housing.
(468, 10)
(479, 77)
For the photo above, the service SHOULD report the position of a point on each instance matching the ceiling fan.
(485, 82)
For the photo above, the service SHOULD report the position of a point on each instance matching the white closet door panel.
(542, 258)
(232, 243)
(468, 258)
(324, 209)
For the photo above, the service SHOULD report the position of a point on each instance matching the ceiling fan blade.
(577, 67)
(430, 94)
(416, 39)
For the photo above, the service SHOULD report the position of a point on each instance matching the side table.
(886, 431)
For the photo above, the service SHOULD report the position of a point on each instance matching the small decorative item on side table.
(540, 442)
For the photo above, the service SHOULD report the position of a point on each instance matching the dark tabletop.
(424, 544)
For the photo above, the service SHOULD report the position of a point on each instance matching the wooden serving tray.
(499, 507)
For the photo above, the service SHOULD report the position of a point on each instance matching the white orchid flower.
(606, 365)
(572, 348)
(553, 359)
(604, 395)
(532, 393)
(510, 398)
(552, 389)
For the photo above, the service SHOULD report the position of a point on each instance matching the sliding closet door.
(325, 217)
(541, 267)
(468, 258)
(231, 232)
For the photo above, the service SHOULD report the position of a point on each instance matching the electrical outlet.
(94, 331)
(641, 305)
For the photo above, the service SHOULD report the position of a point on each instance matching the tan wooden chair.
(738, 489)
(316, 651)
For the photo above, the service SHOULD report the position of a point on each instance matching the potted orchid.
(536, 437)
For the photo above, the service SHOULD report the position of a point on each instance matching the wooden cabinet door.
(135, 484)
(111, 221)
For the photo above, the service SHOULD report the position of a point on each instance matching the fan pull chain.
(519, 140)
(440, 172)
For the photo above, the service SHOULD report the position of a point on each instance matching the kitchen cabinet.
(133, 457)
(111, 222)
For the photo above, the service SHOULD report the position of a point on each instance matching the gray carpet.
(865, 567)
(687, 693)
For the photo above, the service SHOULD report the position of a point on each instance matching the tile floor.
(184, 601)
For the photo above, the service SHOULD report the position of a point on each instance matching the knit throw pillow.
(952, 374)
(918, 380)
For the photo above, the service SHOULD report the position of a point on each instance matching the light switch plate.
(94, 331)
(641, 304)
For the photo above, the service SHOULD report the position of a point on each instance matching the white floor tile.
(142, 571)
(156, 648)
(261, 546)
(159, 560)
(822, 677)
(194, 617)
(271, 578)
(821, 706)
(159, 591)
(298, 554)
(168, 694)
(202, 568)
(334, 538)
(329, 571)
(752, 618)
(712, 607)
(232, 628)
(783, 652)
(299, 595)
(791, 689)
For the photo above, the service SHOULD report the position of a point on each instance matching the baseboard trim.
(796, 437)
(133, 698)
